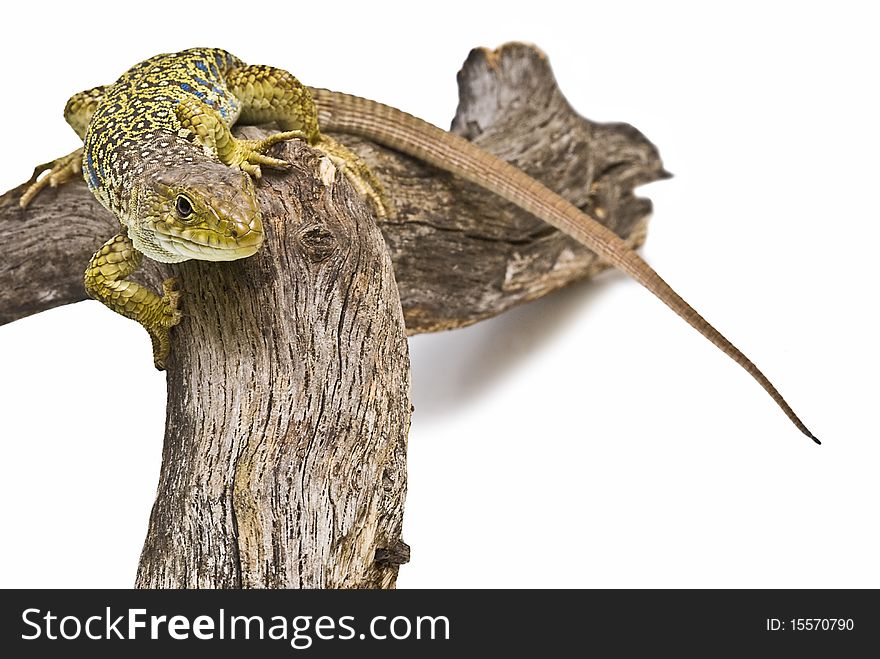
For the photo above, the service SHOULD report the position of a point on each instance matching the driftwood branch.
(284, 458)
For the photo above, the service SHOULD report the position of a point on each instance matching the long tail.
(415, 137)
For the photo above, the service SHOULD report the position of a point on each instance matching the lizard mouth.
(211, 246)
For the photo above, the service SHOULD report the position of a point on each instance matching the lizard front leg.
(105, 280)
(78, 113)
(214, 135)
(269, 94)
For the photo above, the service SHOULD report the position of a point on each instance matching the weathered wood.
(288, 406)
(285, 447)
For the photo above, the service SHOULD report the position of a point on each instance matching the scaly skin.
(161, 133)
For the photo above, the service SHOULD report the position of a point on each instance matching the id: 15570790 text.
(810, 624)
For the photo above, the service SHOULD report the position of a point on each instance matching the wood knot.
(318, 242)
(396, 554)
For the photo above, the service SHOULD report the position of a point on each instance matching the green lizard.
(159, 154)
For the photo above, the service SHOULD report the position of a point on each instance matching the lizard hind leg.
(358, 174)
(105, 280)
(269, 94)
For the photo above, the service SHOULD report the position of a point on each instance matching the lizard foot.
(60, 171)
(251, 154)
(169, 316)
(358, 174)
(212, 133)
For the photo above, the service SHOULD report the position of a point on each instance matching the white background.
(590, 439)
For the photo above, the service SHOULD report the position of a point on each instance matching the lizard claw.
(60, 171)
(171, 316)
(254, 170)
(39, 169)
(253, 152)
(171, 296)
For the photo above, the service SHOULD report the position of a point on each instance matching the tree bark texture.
(288, 382)
(285, 456)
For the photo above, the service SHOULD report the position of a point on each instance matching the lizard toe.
(254, 170)
(60, 171)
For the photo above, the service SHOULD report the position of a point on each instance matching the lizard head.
(200, 210)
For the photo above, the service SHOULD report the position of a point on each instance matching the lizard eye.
(184, 207)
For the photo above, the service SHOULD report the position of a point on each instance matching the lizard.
(158, 153)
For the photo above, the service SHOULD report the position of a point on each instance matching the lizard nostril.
(237, 230)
